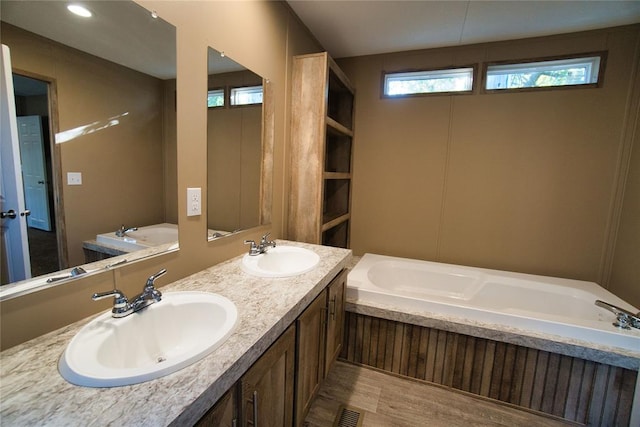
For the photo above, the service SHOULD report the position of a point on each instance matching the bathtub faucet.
(124, 230)
(624, 319)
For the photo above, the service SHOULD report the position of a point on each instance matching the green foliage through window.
(215, 98)
(562, 72)
(433, 81)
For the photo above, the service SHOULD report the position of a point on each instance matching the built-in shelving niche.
(320, 86)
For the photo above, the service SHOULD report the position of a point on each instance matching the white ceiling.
(353, 28)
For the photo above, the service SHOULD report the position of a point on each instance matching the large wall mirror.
(239, 144)
(98, 93)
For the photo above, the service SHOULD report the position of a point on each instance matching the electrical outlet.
(194, 204)
(74, 178)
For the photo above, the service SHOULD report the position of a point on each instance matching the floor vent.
(348, 417)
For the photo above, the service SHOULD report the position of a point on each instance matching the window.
(215, 98)
(425, 82)
(246, 95)
(552, 73)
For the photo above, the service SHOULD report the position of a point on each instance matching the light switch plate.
(74, 178)
(194, 204)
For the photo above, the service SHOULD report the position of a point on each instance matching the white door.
(34, 174)
(14, 241)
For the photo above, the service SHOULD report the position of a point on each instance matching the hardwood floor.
(388, 400)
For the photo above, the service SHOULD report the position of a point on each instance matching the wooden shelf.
(321, 152)
(337, 175)
(338, 127)
(334, 221)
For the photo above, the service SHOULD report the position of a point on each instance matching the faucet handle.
(265, 242)
(152, 279)
(121, 302)
(253, 249)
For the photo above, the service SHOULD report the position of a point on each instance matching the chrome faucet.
(121, 305)
(124, 230)
(262, 247)
(624, 319)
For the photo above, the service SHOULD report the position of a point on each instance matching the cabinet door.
(310, 329)
(267, 387)
(222, 414)
(335, 319)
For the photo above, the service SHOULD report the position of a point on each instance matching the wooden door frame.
(56, 164)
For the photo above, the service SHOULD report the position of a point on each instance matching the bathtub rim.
(616, 356)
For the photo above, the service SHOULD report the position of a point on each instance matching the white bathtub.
(540, 304)
(143, 238)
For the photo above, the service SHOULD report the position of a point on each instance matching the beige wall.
(625, 273)
(265, 42)
(122, 166)
(514, 181)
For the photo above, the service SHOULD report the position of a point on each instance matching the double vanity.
(251, 317)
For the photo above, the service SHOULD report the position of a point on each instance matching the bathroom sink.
(161, 339)
(281, 261)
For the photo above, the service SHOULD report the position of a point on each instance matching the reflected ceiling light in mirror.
(79, 10)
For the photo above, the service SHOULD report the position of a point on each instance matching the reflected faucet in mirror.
(122, 231)
(75, 272)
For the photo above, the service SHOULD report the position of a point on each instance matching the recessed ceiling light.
(79, 10)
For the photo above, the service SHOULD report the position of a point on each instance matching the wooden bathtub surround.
(572, 388)
(321, 135)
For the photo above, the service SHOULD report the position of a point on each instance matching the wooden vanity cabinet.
(335, 319)
(290, 371)
(266, 390)
(264, 394)
(223, 413)
(311, 337)
(319, 332)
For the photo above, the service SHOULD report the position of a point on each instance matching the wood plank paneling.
(578, 390)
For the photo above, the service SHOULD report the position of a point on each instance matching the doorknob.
(27, 212)
(40, 182)
(10, 213)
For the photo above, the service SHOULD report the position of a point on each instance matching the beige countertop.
(32, 392)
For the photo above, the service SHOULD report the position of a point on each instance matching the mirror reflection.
(234, 145)
(95, 100)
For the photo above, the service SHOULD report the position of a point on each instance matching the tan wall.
(625, 273)
(122, 166)
(269, 36)
(514, 181)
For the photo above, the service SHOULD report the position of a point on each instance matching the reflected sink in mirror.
(281, 261)
(142, 238)
(161, 339)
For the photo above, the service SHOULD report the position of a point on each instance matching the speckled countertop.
(33, 393)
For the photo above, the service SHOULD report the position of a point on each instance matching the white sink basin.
(281, 261)
(156, 341)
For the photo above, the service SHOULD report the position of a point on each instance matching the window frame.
(224, 97)
(231, 88)
(599, 83)
(474, 79)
